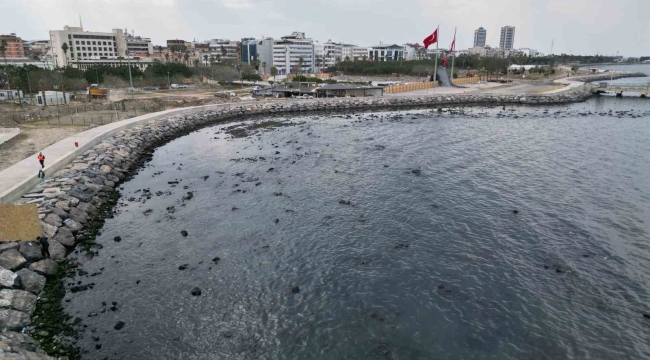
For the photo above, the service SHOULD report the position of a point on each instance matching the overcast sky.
(576, 26)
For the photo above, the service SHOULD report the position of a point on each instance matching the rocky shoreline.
(73, 203)
(606, 77)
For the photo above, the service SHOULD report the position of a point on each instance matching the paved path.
(23, 175)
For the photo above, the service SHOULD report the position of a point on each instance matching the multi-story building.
(360, 53)
(226, 49)
(14, 46)
(327, 54)
(85, 45)
(260, 51)
(292, 50)
(480, 36)
(177, 45)
(36, 47)
(138, 45)
(414, 52)
(347, 52)
(507, 37)
(386, 52)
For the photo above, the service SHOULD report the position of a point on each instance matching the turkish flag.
(431, 39)
(453, 46)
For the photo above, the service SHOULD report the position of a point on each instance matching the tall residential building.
(386, 52)
(288, 51)
(137, 45)
(14, 46)
(260, 50)
(226, 49)
(507, 37)
(479, 37)
(328, 54)
(85, 45)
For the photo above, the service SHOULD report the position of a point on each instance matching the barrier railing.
(466, 80)
(7, 134)
(398, 88)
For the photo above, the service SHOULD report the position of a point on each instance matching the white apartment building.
(288, 51)
(329, 53)
(224, 46)
(507, 40)
(415, 52)
(85, 45)
(359, 53)
(137, 44)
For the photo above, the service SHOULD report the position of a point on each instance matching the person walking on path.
(41, 159)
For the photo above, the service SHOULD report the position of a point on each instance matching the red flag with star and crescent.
(431, 39)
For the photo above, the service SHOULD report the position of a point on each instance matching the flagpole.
(435, 70)
(453, 53)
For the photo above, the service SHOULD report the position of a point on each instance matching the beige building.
(85, 45)
(14, 46)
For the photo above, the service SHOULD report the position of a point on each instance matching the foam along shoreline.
(74, 201)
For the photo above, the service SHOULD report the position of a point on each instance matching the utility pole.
(435, 70)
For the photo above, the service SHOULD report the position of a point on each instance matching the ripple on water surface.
(384, 236)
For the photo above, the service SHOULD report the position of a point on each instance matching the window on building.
(94, 42)
(77, 42)
(69, 36)
(94, 48)
(104, 42)
(84, 54)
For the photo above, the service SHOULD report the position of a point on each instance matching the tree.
(64, 47)
(224, 52)
(274, 72)
(196, 62)
(205, 59)
(218, 58)
(300, 62)
(166, 57)
(186, 57)
(575, 68)
(3, 49)
(264, 66)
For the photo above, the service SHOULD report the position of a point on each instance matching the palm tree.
(64, 47)
(300, 62)
(274, 72)
(212, 60)
(264, 66)
(218, 58)
(224, 52)
(166, 57)
(3, 49)
(186, 57)
(205, 59)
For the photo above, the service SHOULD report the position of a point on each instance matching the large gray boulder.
(7, 278)
(13, 319)
(78, 215)
(62, 214)
(48, 230)
(53, 219)
(20, 300)
(46, 267)
(89, 208)
(82, 192)
(73, 225)
(30, 281)
(8, 246)
(56, 250)
(65, 237)
(12, 260)
(32, 251)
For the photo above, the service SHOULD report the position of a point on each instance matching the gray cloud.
(577, 26)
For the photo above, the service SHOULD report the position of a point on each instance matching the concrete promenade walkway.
(22, 176)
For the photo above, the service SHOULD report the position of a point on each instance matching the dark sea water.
(434, 265)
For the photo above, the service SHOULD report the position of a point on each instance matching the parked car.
(182, 86)
(175, 86)
(150, 88)
(163, 87)
(225, 94)
(305, 96)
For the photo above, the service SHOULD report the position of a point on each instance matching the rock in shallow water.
(196, 291)
(119, 325)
